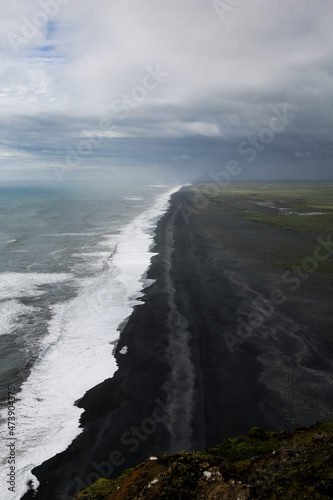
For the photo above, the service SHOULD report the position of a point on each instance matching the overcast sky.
(186, 85)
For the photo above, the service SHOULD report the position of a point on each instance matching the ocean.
(73, 265)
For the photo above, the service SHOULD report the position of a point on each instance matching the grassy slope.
(288, 465)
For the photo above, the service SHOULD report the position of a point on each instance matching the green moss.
(255, 443)
(102, 488)
(184, 480)
(99, 490)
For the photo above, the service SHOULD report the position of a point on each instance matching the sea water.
(72, 267)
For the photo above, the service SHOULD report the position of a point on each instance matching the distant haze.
(171, 89)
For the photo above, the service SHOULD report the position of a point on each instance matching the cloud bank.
(191, 84)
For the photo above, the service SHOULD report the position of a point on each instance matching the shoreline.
(176, 346)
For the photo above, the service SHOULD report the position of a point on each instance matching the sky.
(180, 87)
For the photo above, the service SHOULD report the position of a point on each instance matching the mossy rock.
(257, 433)
(97, 491)
(102, 488)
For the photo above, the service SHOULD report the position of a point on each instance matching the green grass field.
(287, 206)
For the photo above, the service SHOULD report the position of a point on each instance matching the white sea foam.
(15, 285)
(133, 198)
(70, 234)
(10, 313)
(132, 260)
(96, 260)
(77, 353)
(90, 255)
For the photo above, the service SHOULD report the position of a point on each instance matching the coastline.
(176, 346)
(78, 317)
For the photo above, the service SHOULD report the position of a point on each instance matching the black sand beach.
(195, 370)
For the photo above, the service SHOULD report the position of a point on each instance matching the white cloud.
(224, 77)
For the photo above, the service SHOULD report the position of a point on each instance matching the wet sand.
(197, 369)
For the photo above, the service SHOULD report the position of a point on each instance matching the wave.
(16, 285)
(77, 352)
(134, 198)
(11, 311)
